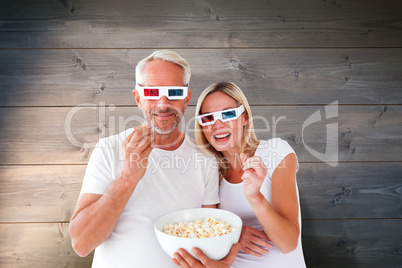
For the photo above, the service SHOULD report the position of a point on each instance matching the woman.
(258, 179)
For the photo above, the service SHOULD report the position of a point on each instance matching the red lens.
(207, 118)
(151, 92)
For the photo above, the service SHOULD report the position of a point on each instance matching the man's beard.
(149, 117)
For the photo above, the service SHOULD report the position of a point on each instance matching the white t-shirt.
(174, 180)
(232, 198)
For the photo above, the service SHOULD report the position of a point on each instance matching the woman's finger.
(259, 234)
(253, 163)
(249, 251)
(258, 249)
(243, 157)
(189, 260)
(250, 175)
(260, 243)
(201, 256)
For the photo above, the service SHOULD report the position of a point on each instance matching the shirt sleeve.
(98, 175)
(278, 150)
(211, 196)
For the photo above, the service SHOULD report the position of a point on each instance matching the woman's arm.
(279, 220)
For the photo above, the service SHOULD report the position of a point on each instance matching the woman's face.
(223, 136)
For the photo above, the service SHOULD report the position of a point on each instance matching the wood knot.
(80, 64)
(100, 89)
(347, 133)
(346, 192)
(234, 64)
(213, 15)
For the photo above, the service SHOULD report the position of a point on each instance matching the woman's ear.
(245, 119)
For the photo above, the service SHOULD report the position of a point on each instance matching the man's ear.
(137, 98)
(187, 99)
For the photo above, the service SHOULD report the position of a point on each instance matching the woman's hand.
(254, 242)
(253, 176)
(183, 259)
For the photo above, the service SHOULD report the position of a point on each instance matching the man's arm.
(96, 216)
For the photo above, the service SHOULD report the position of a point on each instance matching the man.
(125, 190)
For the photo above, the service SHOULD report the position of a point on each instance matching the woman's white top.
(232, 199)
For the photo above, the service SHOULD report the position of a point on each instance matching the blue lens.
(175, 92)
(228, 114)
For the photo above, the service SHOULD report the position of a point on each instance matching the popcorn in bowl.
(198, 226)
(210, 227)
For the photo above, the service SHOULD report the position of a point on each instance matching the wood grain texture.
(352, 243)
(39, 193)
(67, 74)
(200, 24)
(68, 77)
(350, 191)
(38, 245)
(346, 243)
(67, 135)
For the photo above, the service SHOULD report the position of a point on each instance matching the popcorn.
(209, 228)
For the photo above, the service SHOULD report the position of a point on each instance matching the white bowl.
(215, 248)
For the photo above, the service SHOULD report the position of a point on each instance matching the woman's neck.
(234, 169)
(232, 158)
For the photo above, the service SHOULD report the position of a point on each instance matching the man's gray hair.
(165, 55)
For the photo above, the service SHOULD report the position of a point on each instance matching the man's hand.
(183, 259)
(254, 242)
(135, 150)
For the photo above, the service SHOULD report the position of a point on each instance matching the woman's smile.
(222, 136)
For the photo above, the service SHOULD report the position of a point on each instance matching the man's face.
(163, 115)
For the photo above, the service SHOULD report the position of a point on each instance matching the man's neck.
(169, 142)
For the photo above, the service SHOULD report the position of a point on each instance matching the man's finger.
(147, 150)
(143, 144)
(140, 132)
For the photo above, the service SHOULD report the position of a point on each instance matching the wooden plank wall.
(66, 75)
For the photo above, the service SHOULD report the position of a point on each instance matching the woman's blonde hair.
(249, 139)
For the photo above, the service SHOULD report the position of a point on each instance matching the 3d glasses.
(155, 93)
(225, 115)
